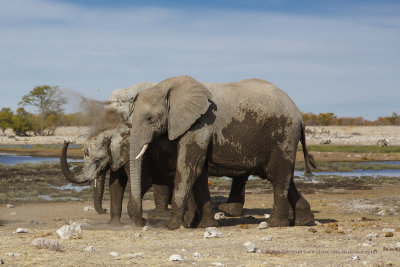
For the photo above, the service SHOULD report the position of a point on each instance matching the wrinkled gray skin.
(246, 127)
(105, 151)
(109, 150)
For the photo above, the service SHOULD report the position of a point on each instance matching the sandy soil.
(346, 217)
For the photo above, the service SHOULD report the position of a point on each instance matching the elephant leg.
(192, 213)
(279, 170)
(190, 167)
(161, 198)
(117, 184)
(234, 205)
(203, 201)
(300, 206)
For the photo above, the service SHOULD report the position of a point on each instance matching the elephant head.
(108, 149)
(170, 107)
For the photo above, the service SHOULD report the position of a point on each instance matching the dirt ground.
(344, 219)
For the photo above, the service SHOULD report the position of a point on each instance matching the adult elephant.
(109, 150)
(249, 127)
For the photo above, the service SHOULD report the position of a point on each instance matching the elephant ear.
(187, 101)
(119, 147)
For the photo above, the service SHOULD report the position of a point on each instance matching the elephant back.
(120, 98)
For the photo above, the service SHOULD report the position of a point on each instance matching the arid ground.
(357, 224)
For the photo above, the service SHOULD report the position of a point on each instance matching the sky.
(329, 56)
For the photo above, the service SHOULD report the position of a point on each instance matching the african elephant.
(109, 150)
(246, 127)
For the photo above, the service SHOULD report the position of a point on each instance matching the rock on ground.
(70, 231)
(50, 244)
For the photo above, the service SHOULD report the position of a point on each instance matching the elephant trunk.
(77, 179)
(135, 170)
(98, 191)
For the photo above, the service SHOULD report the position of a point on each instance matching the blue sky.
(329, 56)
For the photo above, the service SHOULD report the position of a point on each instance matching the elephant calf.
(109, 150)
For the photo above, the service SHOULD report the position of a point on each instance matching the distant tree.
(46, 99)
(310, 119)
(326, 119)
(394, 119)
(6, 119)
(21, 122)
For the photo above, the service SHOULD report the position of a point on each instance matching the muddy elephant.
(109, 150)
(248, 127)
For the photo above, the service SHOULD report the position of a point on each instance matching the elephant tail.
(308, 158)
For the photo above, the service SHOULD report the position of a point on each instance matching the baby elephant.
(109, 150)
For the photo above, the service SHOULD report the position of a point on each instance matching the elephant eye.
(148, 118)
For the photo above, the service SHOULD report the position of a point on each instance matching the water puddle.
(12, 159)
(356, 173)
(77, 188)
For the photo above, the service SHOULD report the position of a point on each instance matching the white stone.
(12, 254)
(219, 216)
(114, 254)
(250, 247)
(372, 235)
(135, 255)
(197, 255)
(212, 232)
(382, 212)
(267, 238)
(146, 228)
(89, 249)
(43, 243)
(355, 257)
(69, 231)
(263, 225)
(21, 231)
(367, 244)
(398, 245)
(385, 230)
(215, 263)
(175, 257)
(10, 206)
(88, 208)
(138, 234)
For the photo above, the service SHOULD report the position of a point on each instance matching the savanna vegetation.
(330, 119)
(49, 101)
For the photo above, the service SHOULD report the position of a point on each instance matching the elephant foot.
(231, 209)
(189, 219)
(174, 224)
(278, 222)
(139, 222)
(304, 217)
(207, 222)
(278, 219)
(101, 211)
(114, 221)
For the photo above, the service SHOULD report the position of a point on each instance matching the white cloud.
(348, 65)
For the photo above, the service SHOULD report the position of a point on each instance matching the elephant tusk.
(95, 182)
(142, 151)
